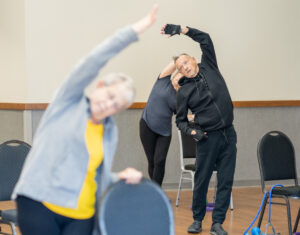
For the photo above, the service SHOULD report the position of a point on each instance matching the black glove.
(199, 135)
(172, 29)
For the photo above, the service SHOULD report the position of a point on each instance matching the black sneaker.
(217, 229)
(195, 227)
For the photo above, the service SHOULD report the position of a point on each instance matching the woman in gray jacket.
(69, 165)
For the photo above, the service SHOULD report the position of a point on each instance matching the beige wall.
(257, 43)
(12, 51)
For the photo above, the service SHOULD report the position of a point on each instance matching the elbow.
(206, 39)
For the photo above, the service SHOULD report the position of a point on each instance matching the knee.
(160, 163)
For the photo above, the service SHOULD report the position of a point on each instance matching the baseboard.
(236, 184)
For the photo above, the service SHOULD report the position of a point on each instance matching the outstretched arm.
(88, 68)
(206, 44)
(144, 23)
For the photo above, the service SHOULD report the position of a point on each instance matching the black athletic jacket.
(206, 95)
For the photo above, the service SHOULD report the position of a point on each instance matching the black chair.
(187, 147)
(136, 209)
(276, 158)
(12, 157)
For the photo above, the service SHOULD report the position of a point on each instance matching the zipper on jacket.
(211, 96)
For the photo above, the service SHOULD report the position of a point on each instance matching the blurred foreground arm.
(88, 68)
(144, 23)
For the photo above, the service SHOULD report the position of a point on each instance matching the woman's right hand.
(145, 23)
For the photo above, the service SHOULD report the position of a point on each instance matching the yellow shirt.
(87, 198)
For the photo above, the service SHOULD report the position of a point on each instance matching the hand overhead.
(173, 29)
(144, 23)
(170, 29)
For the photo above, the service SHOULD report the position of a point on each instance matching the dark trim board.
(141, 105)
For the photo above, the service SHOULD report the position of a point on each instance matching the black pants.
(36, 219)
(156, 148)
(218, 149)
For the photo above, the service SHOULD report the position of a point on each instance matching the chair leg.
(288, 215)
(193, 184)
(231, 202)
(297, 221)
(262, 211)
(215, 188)
(179, 189)
(13, 229)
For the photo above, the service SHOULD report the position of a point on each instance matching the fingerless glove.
(199, 135)
(172, 29)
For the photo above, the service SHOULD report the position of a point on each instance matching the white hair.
(125, 80)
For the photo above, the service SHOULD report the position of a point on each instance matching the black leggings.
(156, 148)
(36, 219)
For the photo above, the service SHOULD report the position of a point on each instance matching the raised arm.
(206, 44)
(168, 70)
(144, 23)
(87, 69)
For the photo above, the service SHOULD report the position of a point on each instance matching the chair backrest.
(12, 157)
(187, 147)
(276, 157)
(136, 209)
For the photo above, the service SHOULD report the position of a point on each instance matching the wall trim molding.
(23, 106)
(141, 105)
(266, 103)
